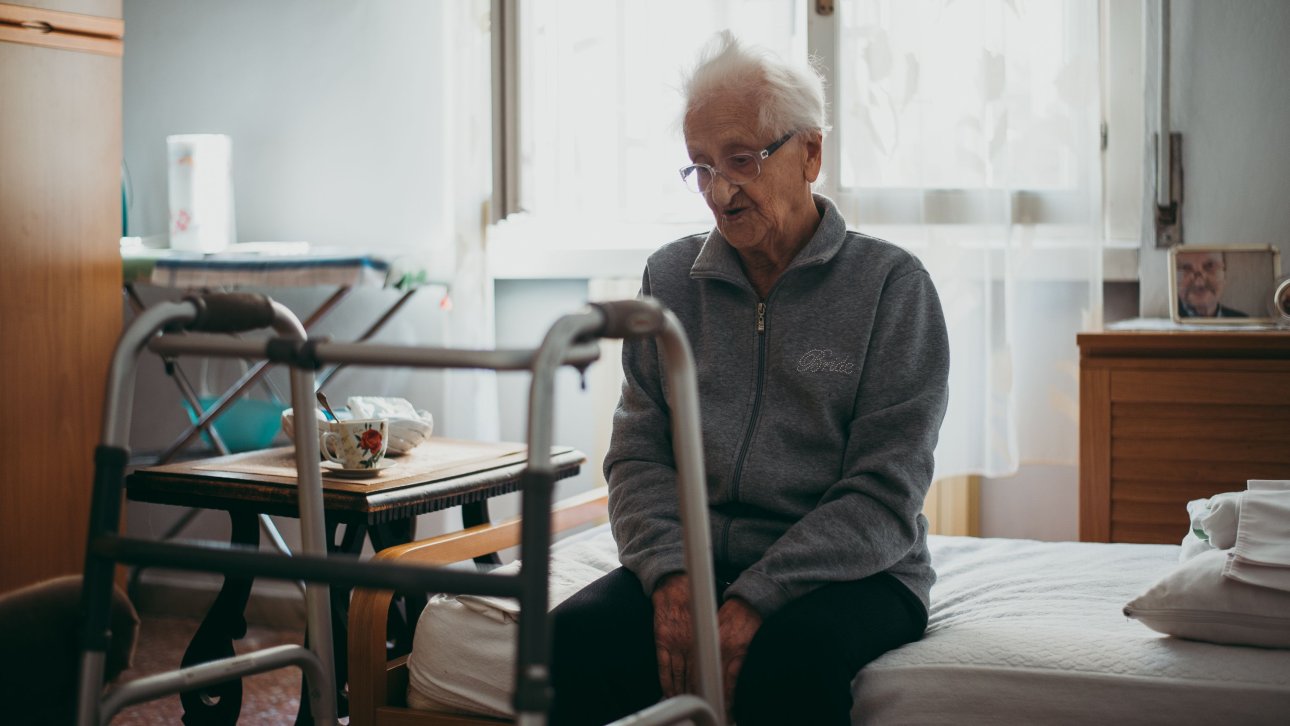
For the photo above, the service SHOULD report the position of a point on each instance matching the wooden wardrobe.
(60, 271)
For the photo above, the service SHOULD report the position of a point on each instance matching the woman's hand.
(737, 623)
(672, 636)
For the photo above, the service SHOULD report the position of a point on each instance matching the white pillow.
(1195, 601)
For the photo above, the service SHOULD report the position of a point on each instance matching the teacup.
(356, 443)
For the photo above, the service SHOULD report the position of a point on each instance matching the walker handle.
(231, 312)
(629, 319)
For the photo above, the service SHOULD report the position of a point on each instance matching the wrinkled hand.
(673, 640)
(737, 623)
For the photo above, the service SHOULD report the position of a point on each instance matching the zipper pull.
(761, 317)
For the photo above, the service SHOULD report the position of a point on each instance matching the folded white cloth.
(381, 407)
(1219, 518)
(1261, 552)
(1193, 545)
(1196, 509)
(1197, 540)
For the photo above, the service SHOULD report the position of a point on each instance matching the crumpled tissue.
(409, 427)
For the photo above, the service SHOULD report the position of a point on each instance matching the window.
(599, 122)
(970, 131)
(945, 112)
(962, 112)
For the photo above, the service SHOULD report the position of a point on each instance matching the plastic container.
(246, 425)
(200, 192)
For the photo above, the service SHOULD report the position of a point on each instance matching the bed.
(1020, 632)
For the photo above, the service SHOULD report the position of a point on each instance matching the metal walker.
(570, 341)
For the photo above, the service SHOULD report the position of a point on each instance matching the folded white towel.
(1193, 545)
(1273, 577)
(1268, 485)
(1196, 509)
(1220, 520)
(1261, 553)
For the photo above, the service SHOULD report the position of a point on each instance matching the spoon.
(322, 398)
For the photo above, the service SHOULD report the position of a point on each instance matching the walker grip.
(630, 319)
(232, 312)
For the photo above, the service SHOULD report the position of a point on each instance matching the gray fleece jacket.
(820, 407)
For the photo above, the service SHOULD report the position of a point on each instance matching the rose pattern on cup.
(371, 440)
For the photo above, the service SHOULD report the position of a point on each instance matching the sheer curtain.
(968, 132)
(964, 130)
(470, 396)
(599, 108)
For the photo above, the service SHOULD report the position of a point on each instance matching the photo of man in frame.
(1201, 277)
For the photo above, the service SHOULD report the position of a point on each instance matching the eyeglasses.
(1208, 269)
(738, 169)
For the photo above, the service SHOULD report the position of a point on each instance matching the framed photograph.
(1224, 285)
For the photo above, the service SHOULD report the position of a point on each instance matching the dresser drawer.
(1159, 428)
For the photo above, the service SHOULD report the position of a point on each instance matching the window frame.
(522, 245)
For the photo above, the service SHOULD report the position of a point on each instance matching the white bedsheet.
(1026, 632)
(1021, 632)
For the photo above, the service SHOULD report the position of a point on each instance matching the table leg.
(225, 622)
(474, 513)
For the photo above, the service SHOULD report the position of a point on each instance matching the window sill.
(528, 251)
(1120, 263)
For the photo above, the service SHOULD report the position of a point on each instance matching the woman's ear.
(813, 144)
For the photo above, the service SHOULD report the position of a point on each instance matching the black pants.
(798, 669)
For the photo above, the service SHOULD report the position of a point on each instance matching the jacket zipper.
(761, 383)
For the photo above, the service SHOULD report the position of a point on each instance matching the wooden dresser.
(1167, 417)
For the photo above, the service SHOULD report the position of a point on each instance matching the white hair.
(788, 97)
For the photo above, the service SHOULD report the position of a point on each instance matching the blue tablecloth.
(167, 268)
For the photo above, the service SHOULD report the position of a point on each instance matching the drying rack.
(570, 341)
(226, 272)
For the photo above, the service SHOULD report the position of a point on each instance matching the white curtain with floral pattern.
(964, 130)
(968, 132)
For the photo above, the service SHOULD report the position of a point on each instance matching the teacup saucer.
(331, 468)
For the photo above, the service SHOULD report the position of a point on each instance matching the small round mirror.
(1281, 299)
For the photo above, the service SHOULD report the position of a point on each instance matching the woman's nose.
(721, 190)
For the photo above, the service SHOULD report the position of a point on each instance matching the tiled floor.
(268, 699)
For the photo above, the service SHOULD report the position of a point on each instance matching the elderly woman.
(822, 359)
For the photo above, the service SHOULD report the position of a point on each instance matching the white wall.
(338, 123)
(1232, 105)
(525, 309)
(333, 105)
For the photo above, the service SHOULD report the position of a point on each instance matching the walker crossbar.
(313, 353)
(570, 341)
(213, 672)
(342, 570)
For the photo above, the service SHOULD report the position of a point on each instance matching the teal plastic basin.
(246, 425)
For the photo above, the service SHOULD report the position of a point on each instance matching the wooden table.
(439, 474)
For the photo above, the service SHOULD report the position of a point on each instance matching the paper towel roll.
(200, 175)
